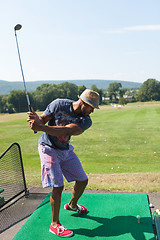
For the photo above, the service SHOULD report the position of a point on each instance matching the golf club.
(18, 27)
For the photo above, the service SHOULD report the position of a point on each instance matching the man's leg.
(72, 170)
(77, 191)
(55, 201)
(56, 228)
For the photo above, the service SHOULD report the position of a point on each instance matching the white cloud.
(136, 28)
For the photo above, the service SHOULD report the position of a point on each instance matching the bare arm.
(68, 130)
(37, 123)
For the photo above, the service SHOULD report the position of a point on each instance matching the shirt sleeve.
(84, 122)
(52, 108)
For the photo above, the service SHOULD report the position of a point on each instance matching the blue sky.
(81, 39)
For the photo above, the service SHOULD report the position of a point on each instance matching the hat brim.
(90, 104)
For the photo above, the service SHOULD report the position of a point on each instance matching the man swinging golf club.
(65, 118)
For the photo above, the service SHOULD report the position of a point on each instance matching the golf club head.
(17, 27)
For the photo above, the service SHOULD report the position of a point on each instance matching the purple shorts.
(56, 163)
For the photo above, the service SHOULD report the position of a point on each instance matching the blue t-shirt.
(60, 110)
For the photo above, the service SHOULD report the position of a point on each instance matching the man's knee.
(86, 182)
(56, 191)
(82, 183)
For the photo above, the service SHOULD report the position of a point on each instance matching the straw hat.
(90, 97)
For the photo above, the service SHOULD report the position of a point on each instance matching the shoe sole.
(70, 235)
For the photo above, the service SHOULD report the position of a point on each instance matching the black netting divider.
(12, 178)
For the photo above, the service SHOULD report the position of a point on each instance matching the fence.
(12, 178)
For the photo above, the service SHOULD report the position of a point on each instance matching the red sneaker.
(80, 209)
(60, 231)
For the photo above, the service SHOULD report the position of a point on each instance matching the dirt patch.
(148, 182)
(133, 182)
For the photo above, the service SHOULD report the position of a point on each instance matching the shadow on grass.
(116, 226)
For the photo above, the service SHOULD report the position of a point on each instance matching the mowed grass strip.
(120, 141)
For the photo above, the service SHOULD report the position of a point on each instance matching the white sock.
(54, 225)
(72, 208)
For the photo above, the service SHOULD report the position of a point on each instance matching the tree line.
(149, 91)
(16, 101)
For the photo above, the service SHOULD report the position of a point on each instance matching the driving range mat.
(110, 216)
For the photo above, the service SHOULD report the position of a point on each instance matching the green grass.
(120, 141)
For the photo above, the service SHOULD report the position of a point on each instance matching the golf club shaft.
(27, 97)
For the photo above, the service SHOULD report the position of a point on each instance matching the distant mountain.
(6, 87)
